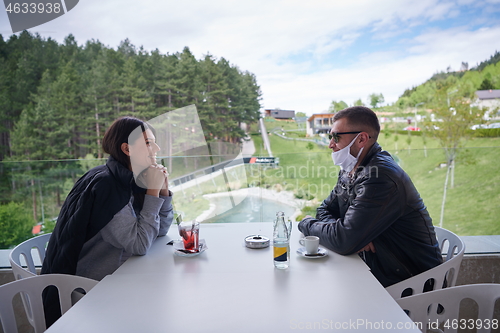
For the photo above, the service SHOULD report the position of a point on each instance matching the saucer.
(321, 253)
(179, 248)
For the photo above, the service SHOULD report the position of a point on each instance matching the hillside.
(484, 76)
(471, 206)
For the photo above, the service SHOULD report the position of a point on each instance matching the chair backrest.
(444, 275)
(440, 308)
(25, 250)
(33, 288)
(26, 268)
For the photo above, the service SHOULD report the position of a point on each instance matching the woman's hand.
(156, 180)
(164, 190)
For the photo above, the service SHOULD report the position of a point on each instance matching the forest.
(56, 101)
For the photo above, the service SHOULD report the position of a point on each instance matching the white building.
(489, 99)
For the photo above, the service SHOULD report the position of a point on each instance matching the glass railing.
(244, 190)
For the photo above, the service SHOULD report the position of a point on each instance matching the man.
(374, 208)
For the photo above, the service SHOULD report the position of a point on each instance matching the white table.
(231, 288)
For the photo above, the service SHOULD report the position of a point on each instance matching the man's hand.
(369, 247)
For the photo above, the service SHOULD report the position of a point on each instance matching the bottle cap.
(256, 241)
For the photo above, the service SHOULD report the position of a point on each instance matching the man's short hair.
(360, 116)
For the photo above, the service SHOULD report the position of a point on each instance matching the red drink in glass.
(189, 232)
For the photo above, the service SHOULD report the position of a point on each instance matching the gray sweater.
(125, 235)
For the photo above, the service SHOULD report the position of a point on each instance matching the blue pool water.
(250, 209)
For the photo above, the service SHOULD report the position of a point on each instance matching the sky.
(304, 54)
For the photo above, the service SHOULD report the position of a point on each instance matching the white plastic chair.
(33, 288)
(447, 271)
(438, 311)
(21, 270)
(25, 250)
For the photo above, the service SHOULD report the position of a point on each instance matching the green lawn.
(472, 205)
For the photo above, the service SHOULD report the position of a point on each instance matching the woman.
(107, 217)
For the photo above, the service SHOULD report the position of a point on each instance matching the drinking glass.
(189, 231)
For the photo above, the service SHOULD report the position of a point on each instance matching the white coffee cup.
(311, 243)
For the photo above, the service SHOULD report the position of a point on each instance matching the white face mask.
(343, 157)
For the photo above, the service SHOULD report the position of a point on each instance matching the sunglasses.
(336, 136)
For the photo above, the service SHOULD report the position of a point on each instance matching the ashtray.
(256, 242)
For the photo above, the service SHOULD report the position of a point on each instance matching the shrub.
(301, 194)
(487, 132)
(15, 224)
(307, 210)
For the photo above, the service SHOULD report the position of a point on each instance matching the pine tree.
(97, 104)
(136, 100)
(189, 85)
(214, 107)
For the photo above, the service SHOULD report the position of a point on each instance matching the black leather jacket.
(379, 204)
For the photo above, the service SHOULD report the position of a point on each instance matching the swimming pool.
(250, 209)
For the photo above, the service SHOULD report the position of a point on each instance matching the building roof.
(280, 113)
(321, 115)
(488, 94)
(279, 110)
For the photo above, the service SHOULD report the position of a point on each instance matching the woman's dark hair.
(118, 133)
